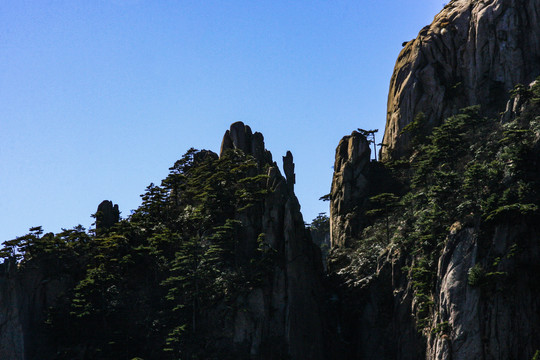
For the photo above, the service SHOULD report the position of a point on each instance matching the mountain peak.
(474, 52)
(239, 136)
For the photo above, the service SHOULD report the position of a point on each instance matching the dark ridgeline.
(215, 264)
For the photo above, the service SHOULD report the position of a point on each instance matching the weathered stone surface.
(497, 318)
(239, 136)
(473, 53)
(283, 318)
(515, 105)
(349, 191)
(373, 311)
(458, 302)
(25, 296)
(280, 318)
(295, 310)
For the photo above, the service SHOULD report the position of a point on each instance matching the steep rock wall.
(373, 314)
(496, 316)
(350, 188)
(25, 296)
(473, 53)
(356, 178)
(280, 316)
(283, 318)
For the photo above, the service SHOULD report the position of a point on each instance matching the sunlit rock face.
(349, 188)
(474, 52)
(240, 136)
(497, 318)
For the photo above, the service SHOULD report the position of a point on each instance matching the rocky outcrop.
(283, 318)
(356, 178)
(517, 103)
(107, 215)
(491, 316)
(473, 53)
(372, 312)
(350, 188)
(239, 136)
(476, 296)
(277, 314)
(479, 296)
(288, 169)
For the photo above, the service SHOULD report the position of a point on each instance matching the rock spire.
(349, 187)
(239, 136)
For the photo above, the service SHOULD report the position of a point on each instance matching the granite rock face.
(497, 317)
(350, 188)
(239, 136)
(284, 317)
(24, 299)
(281, 317)
(473, 53)
(288, 168)
(356, 178)
(516, 105)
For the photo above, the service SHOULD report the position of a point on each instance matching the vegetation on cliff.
(142, 287)
(151, 285)
(471, 171)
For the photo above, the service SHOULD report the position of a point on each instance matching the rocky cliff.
(433, 257)
(441, 268)
(284, 318)
(24, 300)
(107, 215)
(473, 53)
(240, 136)
(264, 299)
(350, 188)
(494, 315)
(356, 178)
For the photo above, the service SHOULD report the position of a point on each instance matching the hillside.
(215, 264)
(433, 250)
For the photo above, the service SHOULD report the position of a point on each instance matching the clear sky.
(99, 98)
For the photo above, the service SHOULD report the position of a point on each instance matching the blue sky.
(99, 98)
